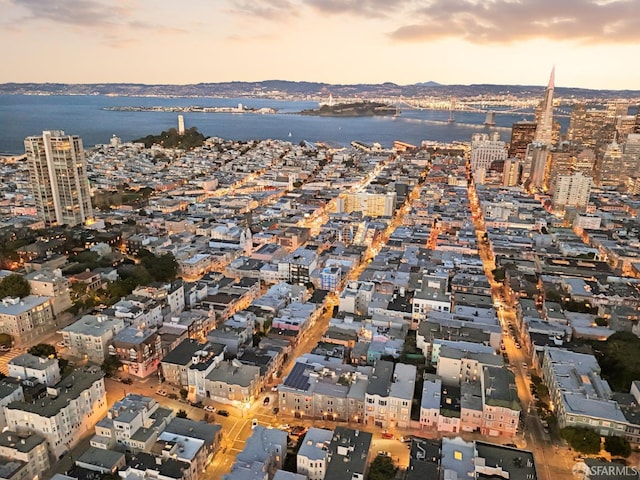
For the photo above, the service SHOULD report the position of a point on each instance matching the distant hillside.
(283, 88)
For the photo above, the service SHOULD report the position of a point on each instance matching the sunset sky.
(592, 43)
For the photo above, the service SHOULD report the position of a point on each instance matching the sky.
(592, 43)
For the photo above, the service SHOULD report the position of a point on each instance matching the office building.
(544, 129)
(607, 169)
(522, 134)
(485, 150)
(536, 162)
(511, 172)
(58, 178)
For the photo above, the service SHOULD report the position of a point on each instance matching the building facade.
(58, 178)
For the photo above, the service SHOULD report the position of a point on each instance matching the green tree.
(617, 446)
(111, 365)
(582, 439)
(498, 274)
(181, 413)
(163, 268)
(601, 322)
(382, 468)
(618, 358)
(14, 285)
(183, 393)
(43, 350)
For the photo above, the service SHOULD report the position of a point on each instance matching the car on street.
(387, 435)
(127, 381)
(209, 408)
(162, 393)
(406, 438)
(383, 453)
(254, 423)
(223, 413)
(524, 365)
(60, 345)
(284, 426)
(275, 410)
(266, 401)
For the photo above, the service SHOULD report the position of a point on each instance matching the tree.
(183, 393)
(14, 285)
(43, 350)
(601, 322)
(617, 446)
(498, 274)
(163, 268)
(181, 413)
(618, 358)
(382, 468)
(582, 439)
(111, 365)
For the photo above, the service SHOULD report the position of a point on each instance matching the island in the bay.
(356, 109)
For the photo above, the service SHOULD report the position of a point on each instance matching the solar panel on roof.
(297, 378)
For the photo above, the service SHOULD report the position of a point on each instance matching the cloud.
(72, 12)
(264, 9)
(476, 21)
(507, 21)
(114, 22)
(370, 8)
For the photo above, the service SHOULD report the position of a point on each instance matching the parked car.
(387, 435)
(383, 453)
(406, 438)
(127, 381)
(284, 426)
(223, 413)
(266, 401)
(162, 393)
(275, 410)
(254, 423)
(209, 408)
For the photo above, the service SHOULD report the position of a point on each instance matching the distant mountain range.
(283, 88)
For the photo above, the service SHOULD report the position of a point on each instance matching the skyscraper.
(544, 130)
(58, 177)
(522, 134)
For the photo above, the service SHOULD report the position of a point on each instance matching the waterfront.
(87, 116)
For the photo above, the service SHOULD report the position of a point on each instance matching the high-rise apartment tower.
(58, 177)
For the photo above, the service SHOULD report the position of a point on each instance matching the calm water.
(25, 115)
